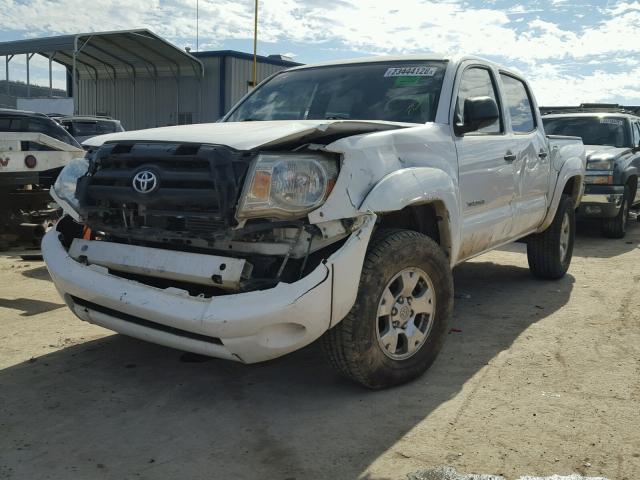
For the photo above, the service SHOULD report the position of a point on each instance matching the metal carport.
(136, 71)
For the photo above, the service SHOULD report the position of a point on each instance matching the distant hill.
(19, 89)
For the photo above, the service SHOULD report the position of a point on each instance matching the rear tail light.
(30, 161)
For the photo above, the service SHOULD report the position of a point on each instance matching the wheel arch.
(427, 218)
(570, 180)
(632, 181)
(421, 199)
(573, 187)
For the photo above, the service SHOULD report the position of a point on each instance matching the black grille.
(196, 190)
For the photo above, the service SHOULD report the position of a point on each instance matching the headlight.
(600, 164)
(64, 189)
(287, 185)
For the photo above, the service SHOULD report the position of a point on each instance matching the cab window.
(477, 82)
(636, 134)
(517, 101)
(10, 124)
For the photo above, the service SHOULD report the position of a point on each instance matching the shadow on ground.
(29, 306)
(38, 273)
(122, 408)
(590, 242)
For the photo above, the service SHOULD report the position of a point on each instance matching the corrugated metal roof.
(107, 54)
(247, 56)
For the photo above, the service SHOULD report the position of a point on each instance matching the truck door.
(532, 163)
(485, 163)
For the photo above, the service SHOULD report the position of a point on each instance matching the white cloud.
(624, 6)
(412, 26)
(557, 86)
(372, 27)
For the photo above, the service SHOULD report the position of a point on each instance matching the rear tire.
(549, 253)
(616, 227)
(399, 321)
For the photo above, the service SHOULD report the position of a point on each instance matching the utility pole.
(197, 25)
(255, 46)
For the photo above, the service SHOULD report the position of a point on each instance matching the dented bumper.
(248, 327)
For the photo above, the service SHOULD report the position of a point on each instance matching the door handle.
(509, 156)
(543, 154)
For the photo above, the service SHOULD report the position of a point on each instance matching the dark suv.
(612, 139)
(85, 127)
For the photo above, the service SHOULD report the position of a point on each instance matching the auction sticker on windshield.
(612, 121)
(414, 71)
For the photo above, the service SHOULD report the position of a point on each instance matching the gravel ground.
(449, 473)
(536, 378)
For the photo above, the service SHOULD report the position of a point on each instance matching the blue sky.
(571, 51)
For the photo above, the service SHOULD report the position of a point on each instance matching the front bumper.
(601, 201)
(248, 327)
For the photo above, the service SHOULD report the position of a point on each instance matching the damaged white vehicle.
(332, 201)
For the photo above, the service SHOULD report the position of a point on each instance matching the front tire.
(549, 253)
(399, 321)
(616, 227)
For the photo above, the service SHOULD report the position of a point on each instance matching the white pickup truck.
(332, 201)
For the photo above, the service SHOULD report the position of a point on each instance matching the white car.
(33, 151)
(332, 201)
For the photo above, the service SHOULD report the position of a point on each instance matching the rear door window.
(518, 102)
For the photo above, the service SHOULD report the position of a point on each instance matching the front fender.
(631, 171)
(572, 167)
(418, 186)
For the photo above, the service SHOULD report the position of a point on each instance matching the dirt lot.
(536, 378)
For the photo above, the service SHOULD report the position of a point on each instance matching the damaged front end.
(209, 200)
(207, 248)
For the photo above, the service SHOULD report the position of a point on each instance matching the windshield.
(611, 131)
(91, 128)
(392, 91)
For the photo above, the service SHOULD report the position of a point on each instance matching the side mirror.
(479, 112)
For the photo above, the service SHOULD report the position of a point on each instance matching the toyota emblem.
(145, 181)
